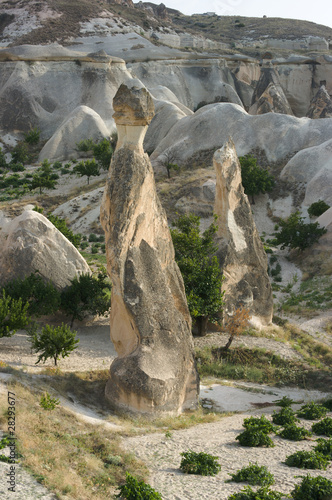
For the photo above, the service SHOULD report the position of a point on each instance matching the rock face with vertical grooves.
(155, 371)
(241, 253)
(321, 105)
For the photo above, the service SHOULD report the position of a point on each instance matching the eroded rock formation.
(241, 253)
(321, 105)
(269, 96)
(154, 372)
(29, 243)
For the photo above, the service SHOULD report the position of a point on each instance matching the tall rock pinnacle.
(154, 372)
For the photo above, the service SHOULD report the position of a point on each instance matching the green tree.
(255, 180)
(200, 269)
(53, 342)
(44, 178)
(20, 153)
(168, 160)
(103, 152)
(42, 297)
(3, 163)
(86, 295)
(88, 168)
(13, 315)
(294, 233)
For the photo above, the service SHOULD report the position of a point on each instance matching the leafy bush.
(33, 136)
(103, 152)
(261, 494)
(255, 180)
(285, 416)
(84, 244)
(294, 433)
(284, 401)
(17, 167)
(201, 463)
(93, 237)
(294, 233)
(42, 297)
(194, 254)
(3, 163)
(86, 295)
(324, 427)
(254, 474)
(53, 342)
(324, 446)
(13, 315)
(307, 460)
(61, 225)
(85, 145)
(313, 488)
(254, 437)
(20, 153)
(312, 411)
(47, 402)
(260, 423)
(328, 404)
(135, 490)
(318, 208)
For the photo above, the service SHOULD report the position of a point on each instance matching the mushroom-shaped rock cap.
(133, 105)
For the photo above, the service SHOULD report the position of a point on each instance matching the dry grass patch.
(72, 458)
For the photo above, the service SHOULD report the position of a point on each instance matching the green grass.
(260, 366)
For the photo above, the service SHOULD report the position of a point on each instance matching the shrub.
(86, 295)
(33, 136)
(103, 152)
(307, 460)
(47, 402)
(284, 401)
(13, 315)
(17, 167)
(313, 488)
(53, 342)
(318, 208)
(254, 437)
(85, 145)
(201, 463)
(20, 153)
(61, 225)
(3, 163)
(312, 411)
(324, 446)
(42, 297)
(294, 233)
(285, 416)
(93, 237)
(328, 404)
(134, 490)
(261, 494)
(254, 474)
(255, 180)
(294, 433)
(324, 427)
(260, 423)
(94, 249)
(84, 244)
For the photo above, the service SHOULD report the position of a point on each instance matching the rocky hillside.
(267, 84)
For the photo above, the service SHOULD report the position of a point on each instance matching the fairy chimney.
(150, 324)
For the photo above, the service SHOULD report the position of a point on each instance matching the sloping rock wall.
(29, 243)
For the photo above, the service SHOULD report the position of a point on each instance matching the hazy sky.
(317, 11)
